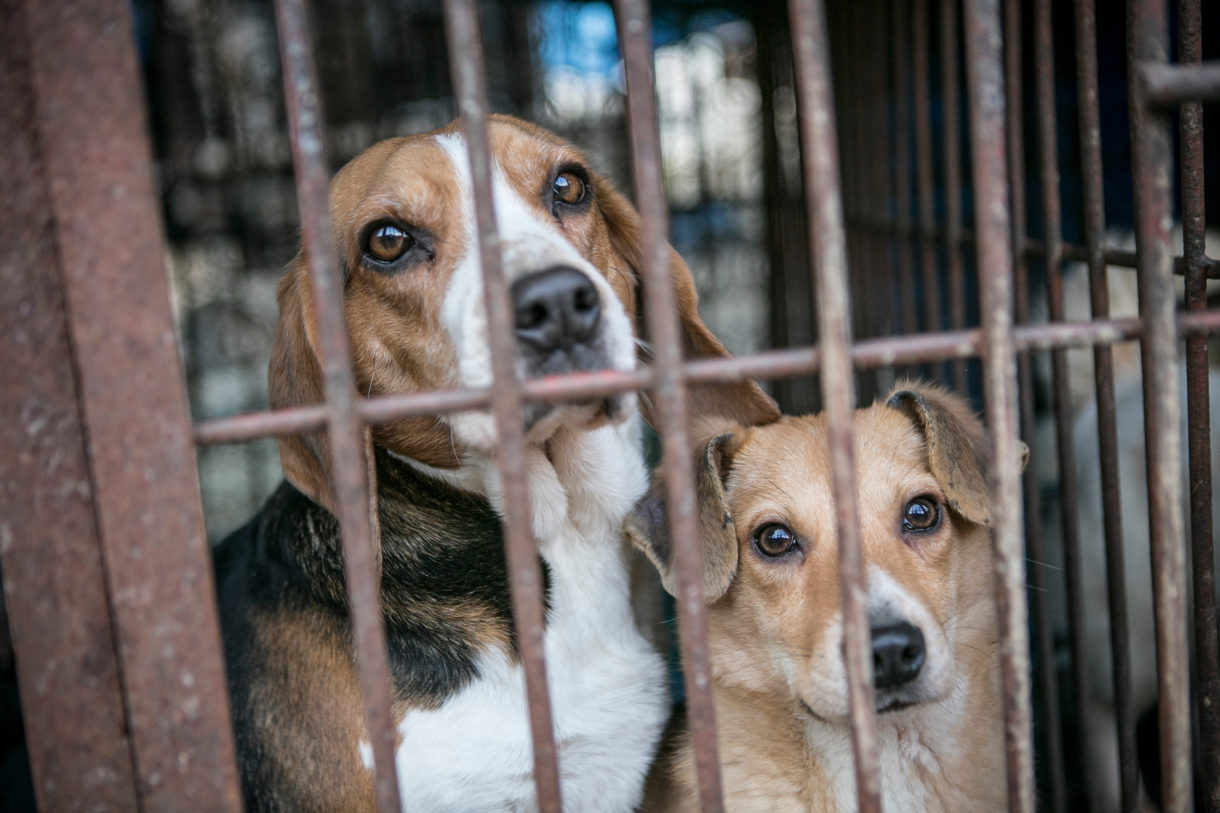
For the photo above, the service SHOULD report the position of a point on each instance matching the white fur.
(607, 685)
(528, 243)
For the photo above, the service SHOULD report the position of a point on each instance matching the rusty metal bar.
(1048, 172)
(1046, 673)
(950, 93)
(1171, 85)
(525, 572)
(986, 89)
(1107, 430)
(350, 468)
(902, 167)
(881, 352)
(1198, 412)
(669, 393)
(59, 616)
(97, 169)
(1030, 248)
(926, 206)
(1152, 157)
(820, 151)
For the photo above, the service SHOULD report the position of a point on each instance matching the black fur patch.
(442, 560)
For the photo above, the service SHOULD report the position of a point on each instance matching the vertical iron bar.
(1107, 429)
(986, 89)
(110, 250)
(469, 82)
(1052, 232)
(903, 237)
(820, 150)
(669, 393)
(1047, 674)
(1198, 410)
(923, 169)
(1152, 156)
(349, 464)
(950, 93)
(59, 617)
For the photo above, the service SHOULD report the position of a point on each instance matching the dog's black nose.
(898, 654)
(554, 309)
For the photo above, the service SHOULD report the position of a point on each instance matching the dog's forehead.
(790, 461)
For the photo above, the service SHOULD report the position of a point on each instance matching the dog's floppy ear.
(294, 378)
(956, 444)
(742, 402)
(648, 525)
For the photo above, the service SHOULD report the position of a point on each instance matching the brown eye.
(921, 514)
(568, 188)
(388, 242)
(774, 540)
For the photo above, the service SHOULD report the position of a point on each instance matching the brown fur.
(398, 345)
(773, 627)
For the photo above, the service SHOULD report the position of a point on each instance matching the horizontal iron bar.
(1172, 85)
(772, 365)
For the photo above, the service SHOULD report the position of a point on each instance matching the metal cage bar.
(350, 463)
(987, 128)
(669, 393)
(525, 574)
(1152, 154)
(1198, 410)
(99, 243)
(820, 150)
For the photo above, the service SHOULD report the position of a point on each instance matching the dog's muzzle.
(556, 314)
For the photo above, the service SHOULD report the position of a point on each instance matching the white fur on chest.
(608, 688)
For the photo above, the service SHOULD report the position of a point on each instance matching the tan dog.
(404, 223)
(775, 625)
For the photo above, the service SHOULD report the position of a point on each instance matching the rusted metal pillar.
(92, 284)
(989, 169)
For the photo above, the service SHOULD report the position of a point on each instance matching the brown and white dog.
(405, 232)
(771, 582)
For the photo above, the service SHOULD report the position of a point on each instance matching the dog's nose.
(556, 308)
(898, 654)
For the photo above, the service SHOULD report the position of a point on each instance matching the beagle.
(771, 583)
(404, 228)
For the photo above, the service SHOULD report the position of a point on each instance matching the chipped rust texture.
(525, 574)
(98, 245)
(59, 616)
(905, 261)
(950, 93)
(1198, 411)
(1107, 430)
(820, 153)
(1052, 217)
(669, 392)
(986, 113)
(1152, 157)
(1040, 577)
(350, 466)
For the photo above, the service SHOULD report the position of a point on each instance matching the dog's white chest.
(474, 753)
(608, 687)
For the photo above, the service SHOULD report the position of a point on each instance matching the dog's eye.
(569, 188)
(921, 514)
(388, 242)
(774, 539)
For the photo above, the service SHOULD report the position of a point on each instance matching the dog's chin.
(542, 420)
(887, 703)
(475, 432)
